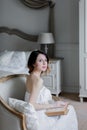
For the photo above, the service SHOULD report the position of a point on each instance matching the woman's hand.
(60, 104)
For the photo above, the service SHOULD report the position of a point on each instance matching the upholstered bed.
(15, 47)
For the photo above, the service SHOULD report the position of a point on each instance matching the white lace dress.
(63, 122)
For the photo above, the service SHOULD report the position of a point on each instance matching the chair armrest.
(9, 115)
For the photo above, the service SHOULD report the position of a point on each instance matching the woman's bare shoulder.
(33, 78)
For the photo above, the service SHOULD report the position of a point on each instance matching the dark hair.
(32, 59)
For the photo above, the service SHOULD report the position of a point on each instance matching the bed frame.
(19, 33)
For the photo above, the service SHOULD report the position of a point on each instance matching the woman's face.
(41, 63)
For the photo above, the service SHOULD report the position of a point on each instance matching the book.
(57, 111)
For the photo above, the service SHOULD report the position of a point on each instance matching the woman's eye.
(40, 60)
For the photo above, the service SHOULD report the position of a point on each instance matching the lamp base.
(44, 48)
(50, 50)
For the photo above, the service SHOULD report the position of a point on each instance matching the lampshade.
(46, 38)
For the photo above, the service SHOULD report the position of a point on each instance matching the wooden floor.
(72, 96)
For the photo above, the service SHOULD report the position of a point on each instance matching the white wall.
(66, 18)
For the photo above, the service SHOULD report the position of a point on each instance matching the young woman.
(40, 97)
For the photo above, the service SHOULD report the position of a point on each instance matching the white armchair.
(11, 86)
(10, 119)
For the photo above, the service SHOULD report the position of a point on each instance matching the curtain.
(36, 4)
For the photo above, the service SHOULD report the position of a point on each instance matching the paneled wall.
(67, 42)
(70, 66)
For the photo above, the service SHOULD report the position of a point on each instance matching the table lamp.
(45, 39)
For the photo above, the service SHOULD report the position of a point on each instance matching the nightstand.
(53, 80)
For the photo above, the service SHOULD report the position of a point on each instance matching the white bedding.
(13, 62)
(5, 73)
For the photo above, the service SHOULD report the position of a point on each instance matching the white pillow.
(18, 60)
(5, 57)
(29, 111)
(13, 61)
(27, 53)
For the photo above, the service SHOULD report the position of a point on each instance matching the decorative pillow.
(27, 53)
(18, 60)
(5, 57)
(29, 111)
(13, 61)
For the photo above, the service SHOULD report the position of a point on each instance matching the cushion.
(5, 57)
(29, 111)
(18, 60)
(13, 61)
(27, 53)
